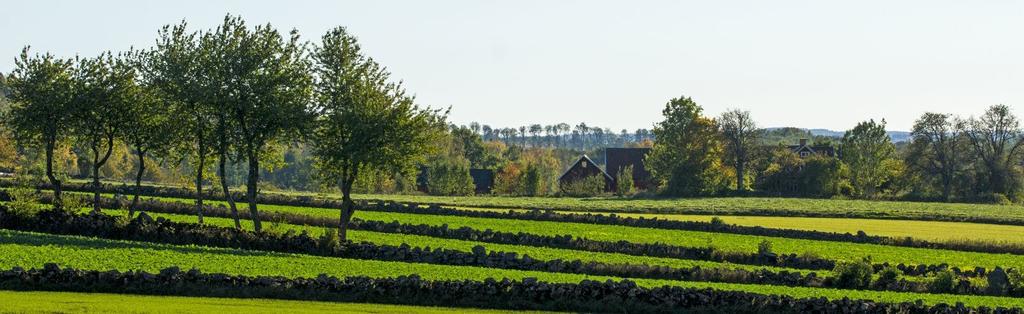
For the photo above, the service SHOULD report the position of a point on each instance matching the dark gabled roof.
(584, 157)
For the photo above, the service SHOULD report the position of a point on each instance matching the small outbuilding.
(583, 168)
(617, 159)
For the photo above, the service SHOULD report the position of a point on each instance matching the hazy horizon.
(802, 64)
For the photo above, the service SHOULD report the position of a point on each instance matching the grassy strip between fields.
(722, 241)
(74, 302)
(33, 250)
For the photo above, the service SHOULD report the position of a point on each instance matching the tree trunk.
(222, 172)
(96, 164)
(138, 183)
(58, 202)
(347, 208)
(96, 186)
(740, 186)
(254, 178)
(199, 172)
(224, 187)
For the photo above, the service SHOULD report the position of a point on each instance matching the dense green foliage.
(42, 90)
(585, 187)
(449, 176)
(686, 156)
(871, 157)
(368, 123)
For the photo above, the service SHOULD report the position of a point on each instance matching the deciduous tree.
(687, 153)
(42, 90)
(741, 136)
(263, 83)
(100, 105)
(868, 151)
(174, 68)
(149, 128)
(366, 122)
(996, 137)
(938, 149)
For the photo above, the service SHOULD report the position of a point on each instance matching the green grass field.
(723, 241)
(73, 302)
(33, 250)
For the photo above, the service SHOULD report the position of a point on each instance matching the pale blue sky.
(814, 64)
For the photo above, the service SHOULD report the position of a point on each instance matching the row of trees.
(235, 94)
(948, 158)
(561, 135)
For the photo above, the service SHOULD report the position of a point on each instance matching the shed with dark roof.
(617, 159)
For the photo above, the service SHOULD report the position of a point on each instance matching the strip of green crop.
(541, 253)
(722, 241)
(77, 302)
(33, 250)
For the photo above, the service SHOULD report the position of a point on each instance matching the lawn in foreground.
(32, 250)
(75, 302)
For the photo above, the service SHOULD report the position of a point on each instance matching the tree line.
(948, 158)
(235, 94)
(561, 135)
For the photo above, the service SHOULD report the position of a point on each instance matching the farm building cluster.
(616, 160)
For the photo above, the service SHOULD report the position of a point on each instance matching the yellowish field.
(941, 231)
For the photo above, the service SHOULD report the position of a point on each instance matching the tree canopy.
(686, 158)
(366, 121)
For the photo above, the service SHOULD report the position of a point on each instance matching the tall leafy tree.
(42, 91)
(174, 68)
(219, 58)
(149, 128)
(996, 137)
(869, 153)
(99, 108)
(938, 149)
(270, 85)
(687, 153)
(741, 137)
(366, 122)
